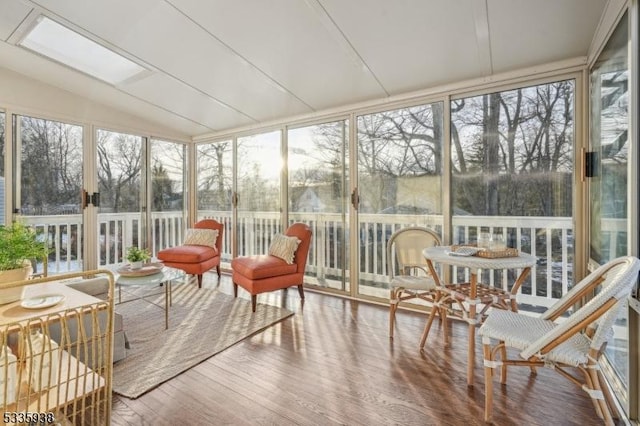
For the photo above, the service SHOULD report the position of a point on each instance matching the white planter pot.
(135, 265)
(8, 295)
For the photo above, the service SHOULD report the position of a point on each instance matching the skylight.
(61, 44)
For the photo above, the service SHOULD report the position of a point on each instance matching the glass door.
(121, 184)
(318, 185)
(48, 174)
(168, 194)
(259, 160)
(214, 174)
(399, 183)
(608, 182)
(512, 176)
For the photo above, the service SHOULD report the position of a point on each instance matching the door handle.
(87, 199)
(355, 198)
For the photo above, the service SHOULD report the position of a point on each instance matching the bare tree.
(168, 164)
(397, 143)
(119, 171)
(520, 143)
(215, 175)
(50, 166)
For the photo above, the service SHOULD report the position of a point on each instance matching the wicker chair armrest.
(583, 289)
(567, 329)
(616, 280)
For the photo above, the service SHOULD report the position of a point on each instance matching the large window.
(49, 171)
(608, 185)
(168, 193)
(318, 186)
(259, 168)
(512, 159)
(214, 177)
(215, 187)
(399, 182)
(121, 185)
(610, 145)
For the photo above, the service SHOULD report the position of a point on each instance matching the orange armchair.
(262, 273)
(196, 259)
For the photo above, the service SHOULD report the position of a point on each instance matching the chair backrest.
(303, 232)
(404, 249)
(613, 282)
(212, 224)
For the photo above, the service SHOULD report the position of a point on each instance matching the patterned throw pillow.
(284, 247)
(201, 237)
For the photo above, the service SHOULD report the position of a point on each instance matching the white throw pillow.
(284, 247)
(201, 237)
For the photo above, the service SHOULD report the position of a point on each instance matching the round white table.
(475, 293)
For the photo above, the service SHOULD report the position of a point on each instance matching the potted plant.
(136, 256)
(19, 244)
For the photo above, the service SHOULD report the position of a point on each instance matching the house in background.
(359, 118)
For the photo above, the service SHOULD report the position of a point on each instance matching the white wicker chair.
(409, 276)
(576, 342)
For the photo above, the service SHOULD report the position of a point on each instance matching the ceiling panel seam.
(167, 110)
(483, 41)
(174, 113)
(332, 27)
(271, 80)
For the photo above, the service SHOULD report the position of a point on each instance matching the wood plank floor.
(333, 363)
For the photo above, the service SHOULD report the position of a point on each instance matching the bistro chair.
(576, 341)
(409, 277)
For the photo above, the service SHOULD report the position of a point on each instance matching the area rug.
(202, 323)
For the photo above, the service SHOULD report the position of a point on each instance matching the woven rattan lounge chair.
(407, 269)
(563, 343)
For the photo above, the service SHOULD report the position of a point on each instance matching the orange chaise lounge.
(199, 252)
(283, 267)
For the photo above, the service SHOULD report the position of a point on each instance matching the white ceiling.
(222, 64)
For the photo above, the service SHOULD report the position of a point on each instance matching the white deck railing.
(549, 239)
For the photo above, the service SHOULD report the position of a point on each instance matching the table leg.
(166, 306)
(471, 358)
(516, 286)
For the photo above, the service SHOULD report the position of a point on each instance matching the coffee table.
(165, 277)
